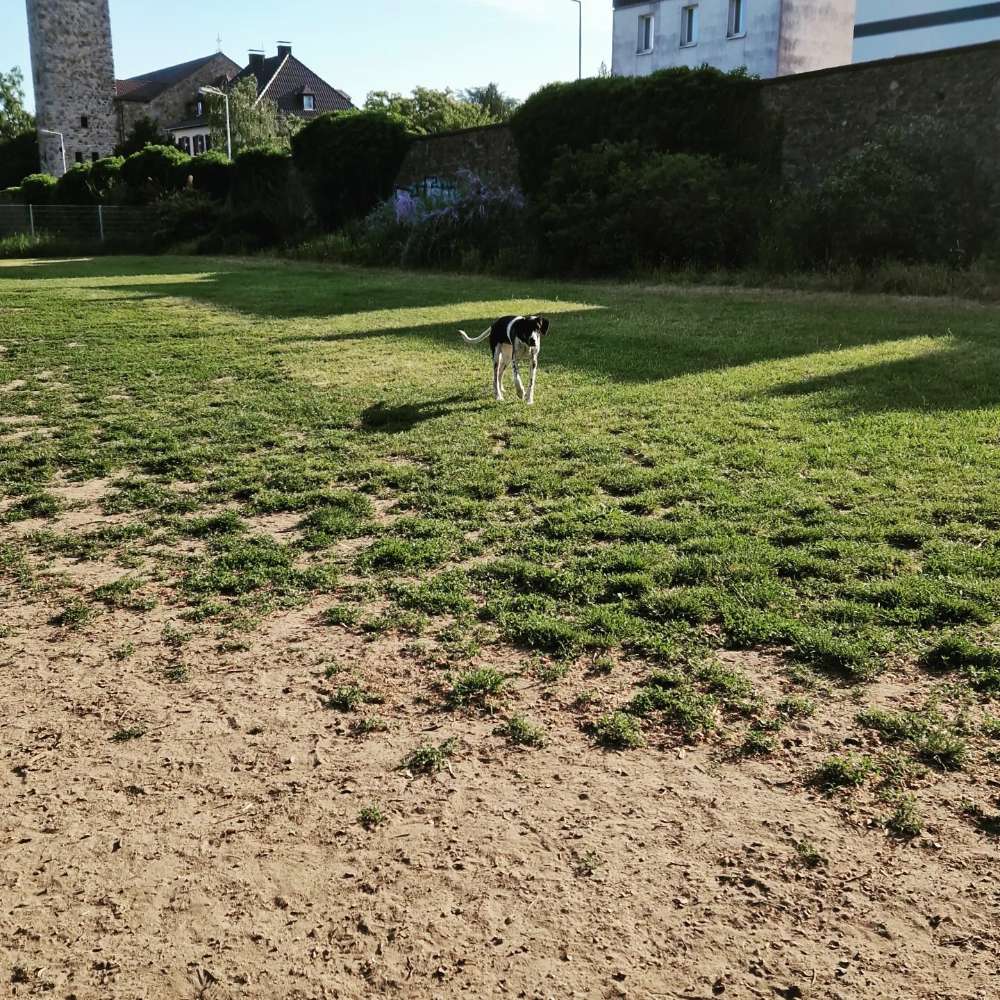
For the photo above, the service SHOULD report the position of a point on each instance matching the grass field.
(708, 478)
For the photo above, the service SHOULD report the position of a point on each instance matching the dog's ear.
(542, 325)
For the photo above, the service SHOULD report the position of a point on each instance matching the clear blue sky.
(358, 46)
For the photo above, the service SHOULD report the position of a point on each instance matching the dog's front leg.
(518, 384)
(534, 374)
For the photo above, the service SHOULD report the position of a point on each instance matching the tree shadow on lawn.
(622, 333)
(963, 375)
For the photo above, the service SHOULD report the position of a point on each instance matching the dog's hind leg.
(499, 365)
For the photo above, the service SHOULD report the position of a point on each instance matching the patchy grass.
(482, 687)
(810, 477)
(848, 771)
(371, 817)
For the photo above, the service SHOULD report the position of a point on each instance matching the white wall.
(757, 49)
(927, 39)
(782, 36)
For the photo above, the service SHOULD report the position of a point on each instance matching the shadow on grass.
(624, 334)
(384, 419)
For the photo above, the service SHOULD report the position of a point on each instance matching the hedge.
(349, 162)
(154, 171)
(38, 189)
(680, 110)
(211, 173)
(617, 209)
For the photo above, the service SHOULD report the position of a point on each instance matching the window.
(79, 157)
(737, 18)
(308, 102)
(84, 121)
(185, 144)
(208, 143)
(689, 25)
(199, 145)
(199, 109)
(94, 157)
(646, 33)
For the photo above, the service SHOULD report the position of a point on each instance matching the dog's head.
(541, 324)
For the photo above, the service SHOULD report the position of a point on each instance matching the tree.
(18, 158)
(14, 120)
(428, 110)
(145, 132)
(494, 103)
(254, 123)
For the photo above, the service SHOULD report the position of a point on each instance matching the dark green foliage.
(184, 216)
(260, 177)
(211, 173)
(18, 158)
(349, 162)
(343, 515)
(696, 111)
(914, 192)
(74, 187)
(145, 132)
(153, 172)
(522, 733)
(38, 189)
(848, 771)
(479, 687)
(622, 208)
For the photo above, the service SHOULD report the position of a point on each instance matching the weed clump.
(848, 771)
(477, 687)
(618, 731)
(522, 733)
(429, 759)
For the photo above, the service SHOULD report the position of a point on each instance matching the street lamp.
(62, 143)
(215, 92)
(579, 3)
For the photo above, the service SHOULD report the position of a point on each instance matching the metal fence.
(98, 223)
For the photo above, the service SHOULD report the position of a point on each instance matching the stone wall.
(827, 113)
(489, 152)
(73, 74)
(824, 115)
(176, 103)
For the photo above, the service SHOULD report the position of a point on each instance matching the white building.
(769, 37)
(887, 28)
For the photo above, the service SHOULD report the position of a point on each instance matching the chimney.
(284, 49)
(256, 59)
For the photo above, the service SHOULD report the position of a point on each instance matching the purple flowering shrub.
(467, 225)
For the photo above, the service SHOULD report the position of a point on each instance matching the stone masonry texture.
(177, 102)
(73, 73)
(824, 115)
(488, 152)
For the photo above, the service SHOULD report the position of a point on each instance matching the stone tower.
(73, 71)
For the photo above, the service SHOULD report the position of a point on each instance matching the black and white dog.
(511, 337)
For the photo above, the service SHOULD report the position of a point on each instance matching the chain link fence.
(97, 223)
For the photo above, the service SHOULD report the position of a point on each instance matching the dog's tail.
(475, 340)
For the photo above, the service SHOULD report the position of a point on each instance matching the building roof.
(150, 85)
(283, 79)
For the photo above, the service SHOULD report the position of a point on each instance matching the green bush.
(349, 162)
(74, 188)
(184, 216)
(106, 175)
(914, 193)
(154, 171)
(38, 189)
(619, 208)
(212, 174)
(260, 177)
(681, 110)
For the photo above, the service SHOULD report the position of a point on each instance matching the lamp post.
(579, 4)
(215, 92)
(62, 143)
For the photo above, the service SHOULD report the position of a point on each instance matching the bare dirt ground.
(220, 855)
